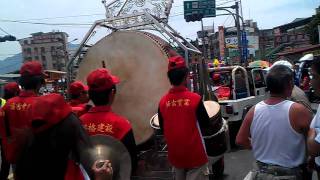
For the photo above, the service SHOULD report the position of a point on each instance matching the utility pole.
(319, 32)
(238, 31)
(203, 41)
(202, 68)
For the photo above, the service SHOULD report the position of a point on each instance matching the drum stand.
(153, 163)
(138, 21)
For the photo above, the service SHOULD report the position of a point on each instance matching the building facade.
(48, 48)
(266, 42)
(225, 43)
(252, 37)
(293, 33)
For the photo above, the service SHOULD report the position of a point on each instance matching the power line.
(226, 20)
(226, 2)
(60, 17)
(4, 31)
(43, 23)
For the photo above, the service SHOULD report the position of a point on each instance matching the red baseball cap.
(48, 117)
(32, 68)
(101, 79)
(12, 87)
(77, 87)
(176, 62)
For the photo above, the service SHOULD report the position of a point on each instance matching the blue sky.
(268, 14)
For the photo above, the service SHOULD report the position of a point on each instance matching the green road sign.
(204, 7)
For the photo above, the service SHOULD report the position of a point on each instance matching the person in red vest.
(78, 93)
(39, 132)
(17, 110)
(55, 133)
(181, 115)
(11, 90)
(100, 119)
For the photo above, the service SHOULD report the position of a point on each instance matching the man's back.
(276, 129)
(101, 120)
(17, 110)
(274, 140)
(178, 109)
(16, 119)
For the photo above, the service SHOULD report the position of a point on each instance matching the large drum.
(215, 136)
(140, 61)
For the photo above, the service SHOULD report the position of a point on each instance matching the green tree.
(312, 29)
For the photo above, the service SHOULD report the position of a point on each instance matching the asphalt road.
(238, 163)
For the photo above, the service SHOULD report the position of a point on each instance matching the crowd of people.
(42, 137)
(282, 134)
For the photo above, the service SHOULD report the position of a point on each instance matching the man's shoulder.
(14, 99)
(297, 107)
(186, 93)
(18, 103)
(163, 99)
(193, 94)
(120, 119)
(299, 113)
(88, 115)
(165, 96)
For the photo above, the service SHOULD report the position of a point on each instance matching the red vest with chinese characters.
(101, 120)
(181, 129)
(15, 123)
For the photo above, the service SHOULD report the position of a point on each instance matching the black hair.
(31, 82)
(316, 64)
(177, 76)
(279, 78)
(75, 96)
(8, 95)
(100, 98)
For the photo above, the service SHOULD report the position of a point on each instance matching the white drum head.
(212, 108)
(141, 64)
